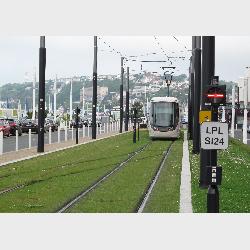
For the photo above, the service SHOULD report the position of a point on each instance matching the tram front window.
(163, 114)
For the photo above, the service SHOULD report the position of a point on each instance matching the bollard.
(1, 142)
(104, 128)
(72, 133)
(83, 131)
(29, 138)
(88, 130)
(49, 135)
(16, 140)
(66, 134)
(58, 134)
(236, 126)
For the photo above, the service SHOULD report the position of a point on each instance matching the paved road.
(238, 135)
(9, 143)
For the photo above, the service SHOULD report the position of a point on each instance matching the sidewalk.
(23, 154)
(185, 188)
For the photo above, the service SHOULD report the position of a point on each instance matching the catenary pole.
(94, 99)
(197, 93)
(208, 67)
(41, 101)
(127, 101)
(121, 95)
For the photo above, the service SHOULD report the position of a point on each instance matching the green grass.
(165, 196)
(234, 191)
(122, 191)
(53, 179)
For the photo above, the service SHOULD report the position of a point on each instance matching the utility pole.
(190, 104)
(83, 102)
(54, 90)
(196, 95)
(127, 101)
(94, 99)
(208, 67)
(121, 96)
(233, 111)
(70, 101)
(34, 97)
(245, 91)
(41, 101)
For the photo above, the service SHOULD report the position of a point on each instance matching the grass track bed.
(234, 191)
(58, 177)
(123, 191)
(165, 196)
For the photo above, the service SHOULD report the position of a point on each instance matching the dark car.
(51, 124)
(14, 125)
(29, 124)
(73, 124)
(5, 128)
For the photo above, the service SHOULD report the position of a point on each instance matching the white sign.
(214, 135)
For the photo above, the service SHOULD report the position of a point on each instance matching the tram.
(164, 118)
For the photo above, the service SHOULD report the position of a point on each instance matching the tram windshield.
(163, 114)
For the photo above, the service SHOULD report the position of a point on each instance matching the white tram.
(164, 119)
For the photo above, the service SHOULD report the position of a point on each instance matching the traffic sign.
(214, 135)
(205, 116)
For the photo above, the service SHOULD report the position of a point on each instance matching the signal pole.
(208, 66)
(127, 101)
(94, 100)
(121, 96)
(41, 101)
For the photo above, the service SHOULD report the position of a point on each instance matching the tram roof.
(164, 99)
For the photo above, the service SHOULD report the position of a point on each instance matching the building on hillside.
(88, 93)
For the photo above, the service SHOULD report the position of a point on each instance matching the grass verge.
(53, 179)
(234, 191)
(123, 191)
(165, 196)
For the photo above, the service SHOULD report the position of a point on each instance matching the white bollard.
(16, 140)
(66, 133)
(49, 135)
(72, 134)
(83, 131)
(29, 138)
(88, 130)
(104, 128)
(59, 134)
(236, 126)
(1, 142)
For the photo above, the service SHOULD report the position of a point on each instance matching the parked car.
(5, 128)
(51, 124)
(29, 124)
(248, 129)
(14, 125)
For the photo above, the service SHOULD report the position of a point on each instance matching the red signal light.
(215, 95)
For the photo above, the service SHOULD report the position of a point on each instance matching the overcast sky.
(73, 55)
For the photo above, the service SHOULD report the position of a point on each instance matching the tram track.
(145, 197)
(76, 199)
